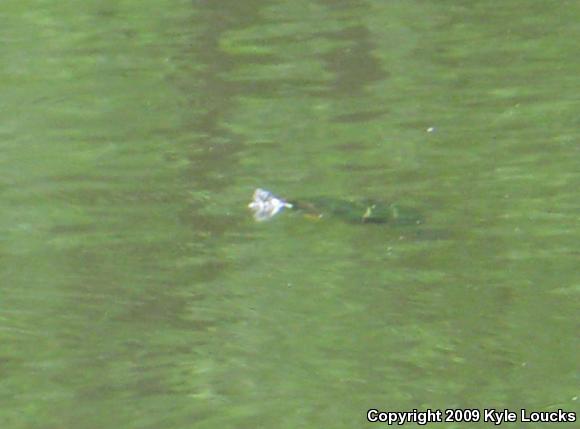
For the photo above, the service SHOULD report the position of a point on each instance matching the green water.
(138, 292)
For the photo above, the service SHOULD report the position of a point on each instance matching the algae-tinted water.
(138, 292)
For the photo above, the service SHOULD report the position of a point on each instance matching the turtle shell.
(365, 211)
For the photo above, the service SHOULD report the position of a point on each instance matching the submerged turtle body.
(266, 205)
(365, 211)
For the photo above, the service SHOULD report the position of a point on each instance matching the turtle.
(265, 205)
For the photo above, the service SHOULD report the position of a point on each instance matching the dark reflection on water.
(138, 292)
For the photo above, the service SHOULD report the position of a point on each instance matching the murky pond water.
(137, 290)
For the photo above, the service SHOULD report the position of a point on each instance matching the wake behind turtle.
(266, 205)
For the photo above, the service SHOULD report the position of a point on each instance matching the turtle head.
(266, 205)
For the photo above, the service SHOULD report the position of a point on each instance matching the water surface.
(137, 291)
